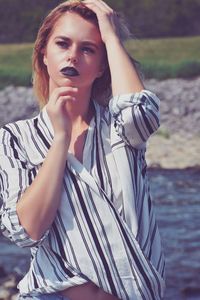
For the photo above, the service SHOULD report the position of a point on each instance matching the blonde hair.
(101, 90)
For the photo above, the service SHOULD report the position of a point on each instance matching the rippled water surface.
(176, 195)
(177, 199)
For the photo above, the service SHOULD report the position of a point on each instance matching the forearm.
(37, 207)
(124, 77)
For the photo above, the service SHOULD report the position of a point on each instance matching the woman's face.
(74, 43)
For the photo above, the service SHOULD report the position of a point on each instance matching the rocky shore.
(177, 142)
(8, 285)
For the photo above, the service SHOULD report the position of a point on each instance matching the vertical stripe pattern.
(105, 229)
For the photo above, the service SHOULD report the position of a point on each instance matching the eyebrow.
(85, 43)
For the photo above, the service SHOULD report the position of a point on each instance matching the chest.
(77, 142)
(93, 150)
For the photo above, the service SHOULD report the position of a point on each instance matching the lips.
(69, 71)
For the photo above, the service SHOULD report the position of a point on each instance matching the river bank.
(177, 142)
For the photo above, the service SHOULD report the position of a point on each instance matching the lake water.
(176, 195)
(177, 199)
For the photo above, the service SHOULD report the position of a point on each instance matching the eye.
(62, 44)
(88, 50)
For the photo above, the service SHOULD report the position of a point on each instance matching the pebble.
(180, 105)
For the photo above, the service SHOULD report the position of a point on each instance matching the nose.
(72, 59)
(72, 56)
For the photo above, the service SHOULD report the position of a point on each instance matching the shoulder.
(17, 131)
(30, 138)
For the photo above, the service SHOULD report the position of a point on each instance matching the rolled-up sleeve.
(15, 177)
(136, 116)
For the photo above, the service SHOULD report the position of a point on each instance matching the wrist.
(112, 40)
(62, 139)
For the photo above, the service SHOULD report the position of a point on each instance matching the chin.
(69, 82)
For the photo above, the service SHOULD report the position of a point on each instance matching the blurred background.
(166, 43)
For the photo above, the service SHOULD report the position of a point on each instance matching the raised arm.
(123, 74)
(124, 77)
(134, 109)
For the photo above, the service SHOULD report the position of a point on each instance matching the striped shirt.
(105, 229)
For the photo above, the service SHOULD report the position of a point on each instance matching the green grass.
(167, 57)
(159, 58)
(15, 64)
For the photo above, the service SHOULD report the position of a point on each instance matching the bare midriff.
(87, 291)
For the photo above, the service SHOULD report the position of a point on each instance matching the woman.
(73, 179)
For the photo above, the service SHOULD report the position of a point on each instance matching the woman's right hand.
(57, 111)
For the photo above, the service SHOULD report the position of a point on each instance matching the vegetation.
(20, 19)
(159, 58)
(167, 57)
(15, 64)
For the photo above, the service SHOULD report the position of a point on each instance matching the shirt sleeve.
(136, 116)
(15, 177)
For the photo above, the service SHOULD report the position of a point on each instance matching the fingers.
(98, 5)
(106, 5)
(62, 94)
(56, 109)
(106, 18)
(61, 100)
(59, 97)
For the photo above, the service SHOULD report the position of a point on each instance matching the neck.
(79, 110)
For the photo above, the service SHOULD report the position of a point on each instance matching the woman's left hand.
(106, 16)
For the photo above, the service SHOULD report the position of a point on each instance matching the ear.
(45, 60)
(44, 57)
(101, 70)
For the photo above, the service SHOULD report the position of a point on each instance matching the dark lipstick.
(69, 71)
